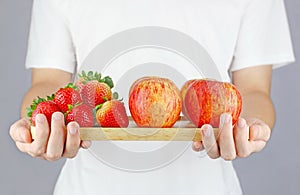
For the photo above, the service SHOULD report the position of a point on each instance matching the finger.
(257, 146)
(39, 145)
(259, 132)
(24, 147)
(197, 146)
(57, 137)
(226, 141)
(72, 141)
(209, 142)
(241, 138)
(20, 131)
(29, 149)
(86, 144)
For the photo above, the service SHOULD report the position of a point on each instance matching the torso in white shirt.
(193, 39)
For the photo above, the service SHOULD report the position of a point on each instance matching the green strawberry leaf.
(82, 75)
(97, 76)
(98, 107)
(105, 98)
(72, 86)
(115, 95)
(50, 97)
(34, 104)
(70, 107)
(108, 81)
(29, 112)
(90, 74)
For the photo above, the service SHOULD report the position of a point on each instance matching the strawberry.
(68, 95)
(94, 89)
(95, 93)
(82, 114)
(79, 83)
(42, 106)
(112, 114)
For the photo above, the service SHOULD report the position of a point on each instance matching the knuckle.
(229, 156)
(71, 152)
(243, 154)
(225, 135)
(53, 157)
(45, 132)
(71, 155)
(20, 147)
(15, 132)
(268, 134)
(210, 150)
(74, 145)
(213, 155)
(36, 152)
(11, 131)
(34, 155)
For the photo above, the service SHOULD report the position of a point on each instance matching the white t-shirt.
(178, 39)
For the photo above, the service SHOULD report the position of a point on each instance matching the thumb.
(197, 146)
(20, 131)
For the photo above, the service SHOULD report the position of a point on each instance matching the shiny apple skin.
(183, 91)
(205, 100)
(154, 102)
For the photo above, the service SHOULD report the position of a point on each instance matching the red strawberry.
(82, 114)
(42, 106)
(112, 114)
(94, 89)
(79, 83)
(67, 96)
(95, 93)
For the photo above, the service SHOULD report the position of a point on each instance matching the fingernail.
(241, 123)
(197, 145)
(57, 116)
(73, 129)
(86, 144)
(207, 130)
(225, 119)
(40, 119)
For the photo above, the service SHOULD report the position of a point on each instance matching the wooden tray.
(183, 130)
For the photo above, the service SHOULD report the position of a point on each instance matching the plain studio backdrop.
(274, 171)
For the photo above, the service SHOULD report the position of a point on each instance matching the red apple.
(205, 100)
(183, 91)
(154, 102)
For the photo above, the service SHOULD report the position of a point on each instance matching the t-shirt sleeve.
(264, 36)
(50, 44)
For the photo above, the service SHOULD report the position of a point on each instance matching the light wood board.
(183, 130)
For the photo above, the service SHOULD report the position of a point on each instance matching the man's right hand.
(49, 144)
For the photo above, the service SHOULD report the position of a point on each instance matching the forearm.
(44, 83)
(257, 104)
(42, 89)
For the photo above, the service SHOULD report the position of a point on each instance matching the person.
(246, 40)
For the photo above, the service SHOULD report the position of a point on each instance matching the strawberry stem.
(90, 76)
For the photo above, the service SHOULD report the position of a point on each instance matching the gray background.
(276, 170)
